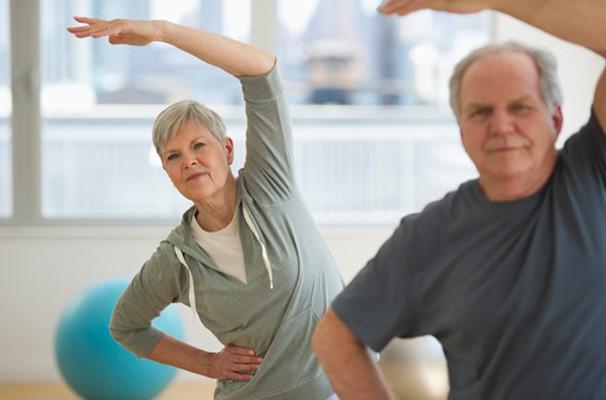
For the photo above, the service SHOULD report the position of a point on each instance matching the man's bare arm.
(346, 361)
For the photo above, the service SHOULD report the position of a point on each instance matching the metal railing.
(356, 165)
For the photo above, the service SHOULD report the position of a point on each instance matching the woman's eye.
(198, 146)
(172, 157)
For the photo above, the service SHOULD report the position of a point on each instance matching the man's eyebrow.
(520, 99)
(475, 105)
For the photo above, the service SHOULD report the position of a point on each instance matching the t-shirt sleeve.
(585, 151)
(379, 302)
(268, 169)
(155, 286)
(598, 137)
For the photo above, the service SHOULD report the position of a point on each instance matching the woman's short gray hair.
(169, 121)
(545, 62)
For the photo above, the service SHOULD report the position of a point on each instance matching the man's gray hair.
(169, 121)
(544, 61)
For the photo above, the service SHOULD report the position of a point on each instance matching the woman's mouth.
(195, 176)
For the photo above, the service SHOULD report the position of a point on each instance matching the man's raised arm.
(582, 22)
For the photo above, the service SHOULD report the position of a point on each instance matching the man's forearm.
(578, 21)
(346, 361)
(581, 21)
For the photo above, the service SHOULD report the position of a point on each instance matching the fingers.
(243, 357)
(90, 23)
(86, 20)
(115, 39)
(94, 28)
(402, 7)
(235, 376)
(241, 350)
(246, 363)
(236, 361)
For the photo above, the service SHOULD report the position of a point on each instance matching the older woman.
(247, 257)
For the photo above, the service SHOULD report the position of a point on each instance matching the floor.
(417, 381)
(176, 391)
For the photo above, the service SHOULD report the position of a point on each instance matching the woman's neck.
(217, 212)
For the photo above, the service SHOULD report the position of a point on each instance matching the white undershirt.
(223, 246)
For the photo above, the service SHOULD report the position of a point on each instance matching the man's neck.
(516, 187)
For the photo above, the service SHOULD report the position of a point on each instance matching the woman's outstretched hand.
(118, 31)
(233, 363)
(234, 57)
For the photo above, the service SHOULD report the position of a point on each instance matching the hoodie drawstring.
(250, 224)
(192, 294)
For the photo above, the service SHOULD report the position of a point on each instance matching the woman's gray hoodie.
(291, 275)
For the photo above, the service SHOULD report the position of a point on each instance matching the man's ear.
(557, 118)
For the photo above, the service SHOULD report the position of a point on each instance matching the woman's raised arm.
(234, 57)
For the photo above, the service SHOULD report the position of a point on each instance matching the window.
(380, 161)
(374, 170)
(373, 135)
(344, 52)
(5, 114)
(99, 101)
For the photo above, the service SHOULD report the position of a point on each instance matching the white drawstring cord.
(248, 220)
(192, 294)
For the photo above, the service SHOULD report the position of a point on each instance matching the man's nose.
(501, 123)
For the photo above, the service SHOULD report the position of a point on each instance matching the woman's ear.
(229, 150)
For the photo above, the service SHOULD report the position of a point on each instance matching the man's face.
(506, 128)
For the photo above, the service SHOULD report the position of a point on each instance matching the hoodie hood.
(181, 238)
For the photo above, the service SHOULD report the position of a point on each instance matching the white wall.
(43, 268)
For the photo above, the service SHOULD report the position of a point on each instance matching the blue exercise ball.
(93, 364)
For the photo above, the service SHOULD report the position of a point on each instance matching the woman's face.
(197, 163)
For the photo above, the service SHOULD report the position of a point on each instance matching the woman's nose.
(190, 160)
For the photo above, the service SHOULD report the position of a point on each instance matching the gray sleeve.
(157, 285)
(586, 152)
(379, 303)
(268, 168)
(599, 142)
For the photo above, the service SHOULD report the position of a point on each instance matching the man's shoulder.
(452, 200)
(439, 216)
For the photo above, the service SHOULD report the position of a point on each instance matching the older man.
(509, 271)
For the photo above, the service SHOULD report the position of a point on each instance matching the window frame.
(25, 120)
